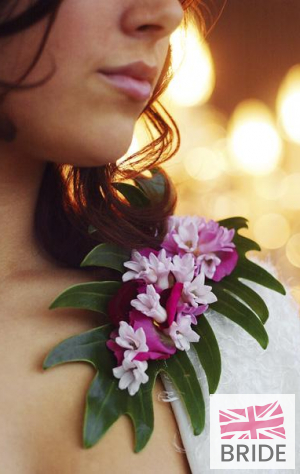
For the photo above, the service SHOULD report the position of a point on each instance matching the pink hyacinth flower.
(210, 244)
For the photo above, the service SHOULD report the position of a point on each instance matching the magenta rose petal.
(228, 263)
(119, 306)
(171, 305)
(145, 252)
(157, 342)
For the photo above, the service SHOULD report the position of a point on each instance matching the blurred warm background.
(236, 100)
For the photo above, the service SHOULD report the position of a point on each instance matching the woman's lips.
(138, 89)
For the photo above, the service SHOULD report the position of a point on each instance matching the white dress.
(246, 368)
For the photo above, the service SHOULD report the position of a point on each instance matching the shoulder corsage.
(157, 312)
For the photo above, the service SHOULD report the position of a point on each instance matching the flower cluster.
(163, 294)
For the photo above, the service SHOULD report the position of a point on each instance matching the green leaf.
(244, 244)
(234, 222)
(104, 405)
(133, 194)
(107, 255)
(241, 315)
(140, 408)
(93, 295)
(249, 296)
(253, 272)
(91, 229)
(182, 373)
(105, 402)
(208, 352)
(82, 347)
(153, 187)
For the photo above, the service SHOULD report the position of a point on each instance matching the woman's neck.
(20, 181)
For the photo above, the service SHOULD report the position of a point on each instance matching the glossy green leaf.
(105, 402)
(182, 373)
(133, 194)
(241, 315)
(107, 255)
(82, 347)
(244, 244)
(140, 407)
(249, 296)
(104, 405)
(93, 295)
(153, 187)
(234, 222)
(208, 352)
(253, 272)
(246, 268)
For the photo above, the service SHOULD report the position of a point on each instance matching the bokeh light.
(295, 291)
(272, 230)
(229, 204)
(246, 164)
(204, 164)
(293, 250)
(288, 104)
(194, 76)
(270, 187)
(254, 142)
(291, 192)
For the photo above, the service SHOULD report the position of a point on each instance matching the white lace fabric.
(246, 368)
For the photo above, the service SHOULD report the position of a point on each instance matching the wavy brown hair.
(73, 198)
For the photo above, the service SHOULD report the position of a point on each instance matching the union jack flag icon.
(253, 422)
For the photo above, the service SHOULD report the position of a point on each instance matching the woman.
(67, 114)
(64, 101)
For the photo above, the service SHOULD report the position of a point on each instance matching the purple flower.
(193, 311)
(196, 292)
(145, 252)
(213, 237)
(182, 235)
(126, 343)
(181, 333)
(133, 341)
(113, 346)
(120, 304)
(217, 254)
(208, 263)
(149, 304)
(172, 302)
(228, 263)
(153, 268)
(209, 243)
(160, 346)
(131, 374)
(183, 268)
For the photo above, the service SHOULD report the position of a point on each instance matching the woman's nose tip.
(153, 18)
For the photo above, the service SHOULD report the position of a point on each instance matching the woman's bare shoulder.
(62, 446)
(65, 388)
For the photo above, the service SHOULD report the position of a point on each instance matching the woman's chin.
(94, 156)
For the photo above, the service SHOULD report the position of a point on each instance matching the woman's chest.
(42, 417)
(42, 412)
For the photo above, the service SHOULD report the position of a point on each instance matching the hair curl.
(73, 198)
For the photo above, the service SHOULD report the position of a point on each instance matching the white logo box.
(248, 421)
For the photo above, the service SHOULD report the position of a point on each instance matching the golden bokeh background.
(244, 162)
